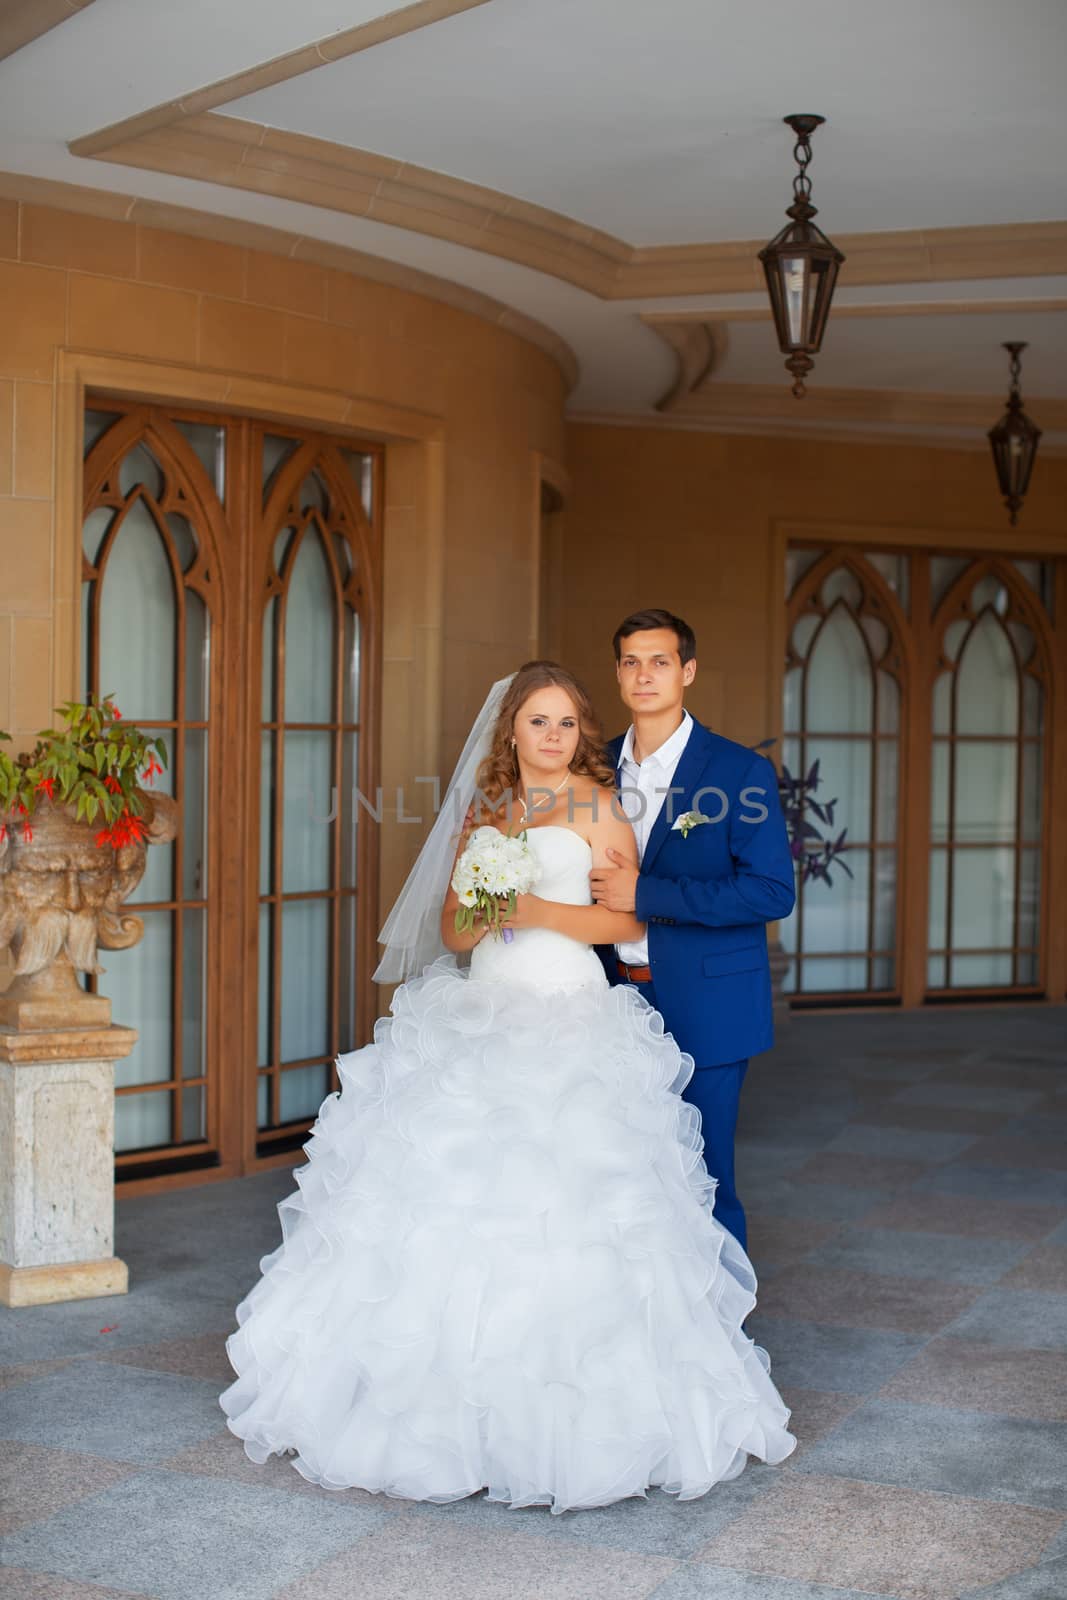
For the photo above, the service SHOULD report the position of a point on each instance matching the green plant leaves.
(91, 763)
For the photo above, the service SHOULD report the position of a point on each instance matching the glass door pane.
(316, 530)
(987, 788)
(148, 621)
(842, 727)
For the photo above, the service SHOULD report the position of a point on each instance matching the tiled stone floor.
(907, 1182)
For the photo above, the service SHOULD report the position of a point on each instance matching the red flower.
(21, 808)
(116, 713)
(46, 786)
(152, 768)
(27, 832)
(128, 829)
(112, 783)
(3, 831)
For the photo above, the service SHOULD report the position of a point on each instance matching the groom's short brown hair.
(643, 621)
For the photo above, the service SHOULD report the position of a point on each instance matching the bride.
(500, 1269)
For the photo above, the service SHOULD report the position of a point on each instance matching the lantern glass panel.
(796, 281)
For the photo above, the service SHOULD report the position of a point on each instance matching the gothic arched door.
(219, 557)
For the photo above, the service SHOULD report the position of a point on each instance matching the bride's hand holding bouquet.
(492, 872)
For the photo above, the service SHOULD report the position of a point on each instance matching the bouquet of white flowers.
(495, 867)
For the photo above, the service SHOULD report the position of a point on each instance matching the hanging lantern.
(1014, 443)
(801, 266)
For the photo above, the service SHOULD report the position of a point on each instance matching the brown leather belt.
(634, 974)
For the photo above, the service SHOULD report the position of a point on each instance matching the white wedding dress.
(500, 1269)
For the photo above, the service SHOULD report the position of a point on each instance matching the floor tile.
(947, 1258)
(423, 1558)
(854, 1299)
(821, 1356)
(223, 1456)
(881, 1539)
(10, 1376)
(697, 1580)
(1016, 1317)
(865, 1172)
(784, 1239)
(1041, 1124)
(1044, 1269)
(999, 1070)
(900, 1067)
(950, 1451)
(202, 1357)
(933, 1119)
(1048, 1581)
(970, 1095)
(18, 1583)
(760, 1159)
(901, 1144)
(147, 1535)
(1056, 1549)
(994, 1186)
(971, 1376)
(105, 1410)
(952, 1213)
(659, 1524)
(173, 1309)
(813, 1202)
(35, 1482)
(1048, 1154)
(815, 1413)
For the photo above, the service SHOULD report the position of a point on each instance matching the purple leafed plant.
(814, 852)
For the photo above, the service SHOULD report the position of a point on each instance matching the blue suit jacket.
(707, 898)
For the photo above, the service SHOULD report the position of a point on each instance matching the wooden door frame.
(416, 441)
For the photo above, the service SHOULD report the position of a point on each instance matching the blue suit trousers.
(716, 1094)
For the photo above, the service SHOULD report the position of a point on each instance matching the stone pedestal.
(57, 1179)
(52, 999)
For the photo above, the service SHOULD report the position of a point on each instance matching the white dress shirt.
(650, 778)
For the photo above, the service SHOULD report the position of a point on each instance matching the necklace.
(527, 809)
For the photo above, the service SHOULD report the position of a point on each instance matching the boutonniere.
(689, 820)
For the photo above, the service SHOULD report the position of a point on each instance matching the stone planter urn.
(61, 899)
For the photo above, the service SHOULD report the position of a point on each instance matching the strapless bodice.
(537, 957)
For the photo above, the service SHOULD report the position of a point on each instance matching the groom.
(715, 868)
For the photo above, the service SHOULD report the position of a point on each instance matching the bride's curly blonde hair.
(499, 772)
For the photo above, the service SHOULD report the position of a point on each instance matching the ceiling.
(606, 156)
(661, 123)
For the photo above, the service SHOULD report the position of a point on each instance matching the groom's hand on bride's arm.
(615, 887)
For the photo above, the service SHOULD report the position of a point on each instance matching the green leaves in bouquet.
(489, 908)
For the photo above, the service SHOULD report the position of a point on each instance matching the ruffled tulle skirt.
(500, 1269)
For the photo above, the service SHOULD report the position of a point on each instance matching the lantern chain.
(802, 157)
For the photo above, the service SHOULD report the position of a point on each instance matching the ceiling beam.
(22, 21)
(279, 70)
(240, 154)
(763, 402)
(662, 321)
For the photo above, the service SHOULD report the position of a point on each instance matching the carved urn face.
(76, 878)
(61, 895)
